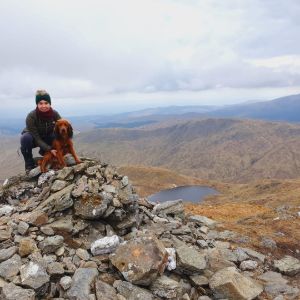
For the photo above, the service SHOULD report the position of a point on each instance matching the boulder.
(288, 265)
(229, 283)
(13, 292)
(140, 260)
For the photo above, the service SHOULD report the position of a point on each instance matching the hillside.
(216, 149)
(281, 109)
(259, 210)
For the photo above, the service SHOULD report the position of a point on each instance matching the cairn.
(83, 233)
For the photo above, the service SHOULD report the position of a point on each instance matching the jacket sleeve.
(31, 127)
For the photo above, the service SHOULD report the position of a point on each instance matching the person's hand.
(54, 152)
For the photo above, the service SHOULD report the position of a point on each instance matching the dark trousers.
(28, 143)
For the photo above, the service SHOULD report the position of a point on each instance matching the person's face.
(43, 106)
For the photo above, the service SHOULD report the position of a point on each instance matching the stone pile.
(83, 233)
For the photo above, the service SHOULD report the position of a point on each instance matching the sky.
(110, 56)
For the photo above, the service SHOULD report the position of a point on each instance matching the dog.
(62, 144)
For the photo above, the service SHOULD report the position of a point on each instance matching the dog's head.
(63, 129)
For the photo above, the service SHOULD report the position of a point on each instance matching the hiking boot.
(29, 162)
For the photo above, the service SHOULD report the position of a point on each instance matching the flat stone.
(254, 254)
(58, 185)
(166, 287)
(271, 276)
(13, 292)
(202, 220)
(5, 235)
(64, 225)
(189, 260)
(105, 291)
(288, 265)
(51, 244)
(64, 173)
(81, 283)
(105, 245)
(140, 260)
(199, 280)
(169, 207)
(55, 268)
(92, 206)
(58, 201)
(7, 253)
(36, 218)
(132, 292)
(34, 275)
(229, 283)
(10, 267)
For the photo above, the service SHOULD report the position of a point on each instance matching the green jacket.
(40, 128)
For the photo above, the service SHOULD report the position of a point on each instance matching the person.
(39, 129)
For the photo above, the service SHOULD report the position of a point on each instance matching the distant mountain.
(219, 149)
(281, 109)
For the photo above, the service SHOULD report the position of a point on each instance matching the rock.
(64, 173)
(10, 267)
(268, 243)
(105, 245)
(55, 268)
(65, 282)
(13, 292)
(248, 265)
(254, 254)
(58, 201)
(199, 280)
(92, 206)
(6, 210)
(81, 283)
(140, 260)
(229, 283)
(51, 244)
(171, 264)
(63, 225)
(288, 265)
(33, 275)
(241, 254)
(27, 246)
(166, 287)
(36, 218)
(5, 235)
(169, 207)
(189, 260)
(202, 220)
(23, 227)
(132, 292)
(58, 185)
(80, 187)
(7, 253)
(105, 291)
(82, 254)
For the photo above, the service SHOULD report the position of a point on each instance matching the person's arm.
(31, 126)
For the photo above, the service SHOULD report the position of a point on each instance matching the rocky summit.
(82, 233)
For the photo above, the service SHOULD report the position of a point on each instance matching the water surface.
(194, 193)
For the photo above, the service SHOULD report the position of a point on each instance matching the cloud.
(95, 50)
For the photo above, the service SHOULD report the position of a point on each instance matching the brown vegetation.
(267, 208)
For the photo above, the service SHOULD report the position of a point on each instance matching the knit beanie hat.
(42, 95)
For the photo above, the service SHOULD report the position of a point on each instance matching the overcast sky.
(107, 56)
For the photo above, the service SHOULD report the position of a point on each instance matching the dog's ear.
(70, 131)
(56, 130)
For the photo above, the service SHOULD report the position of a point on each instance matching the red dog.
(62, 144)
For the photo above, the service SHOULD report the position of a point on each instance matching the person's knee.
(26, 140)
